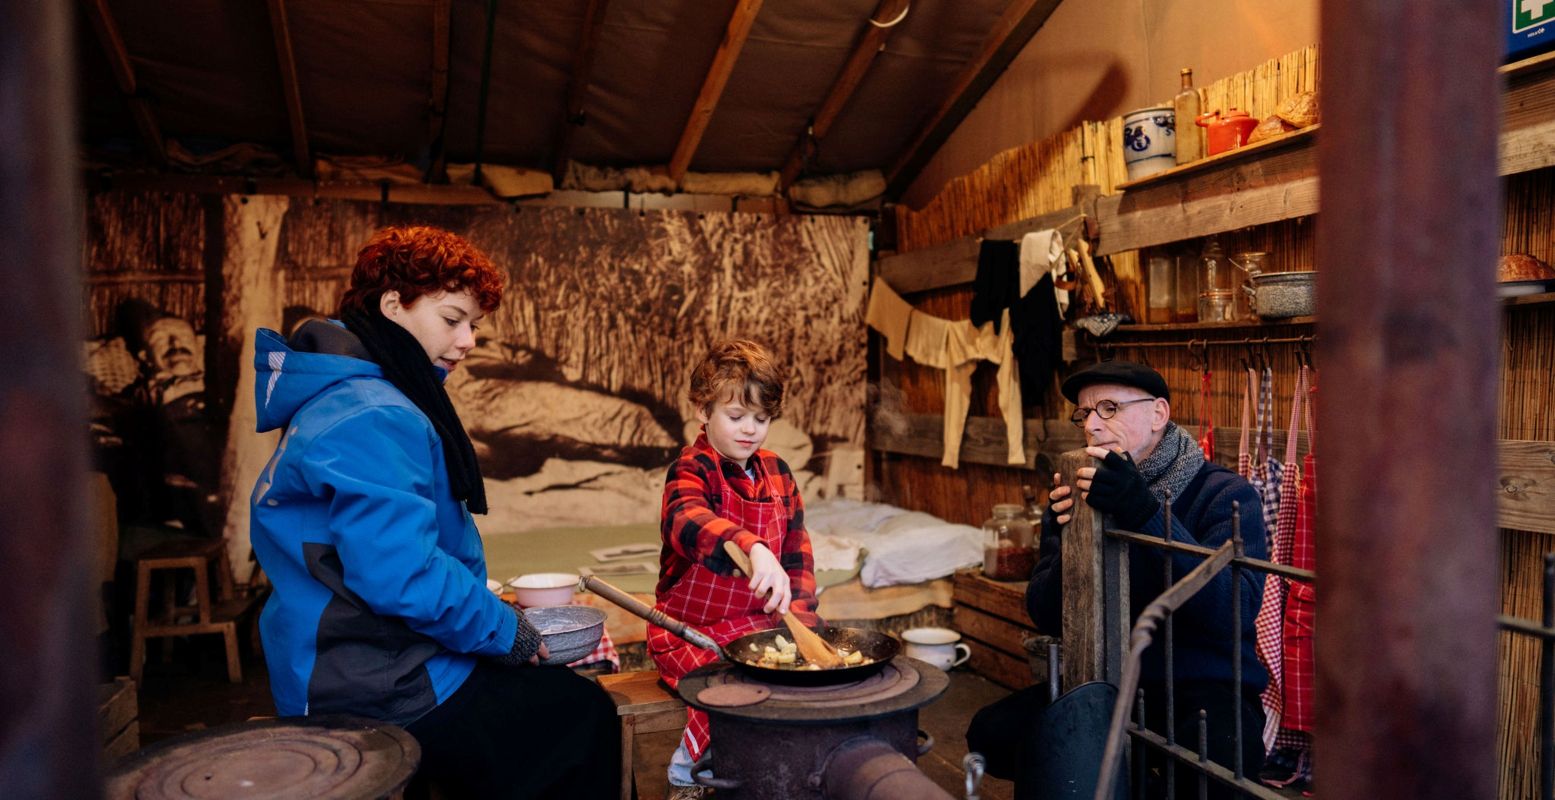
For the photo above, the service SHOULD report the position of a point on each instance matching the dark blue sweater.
(1202, 628)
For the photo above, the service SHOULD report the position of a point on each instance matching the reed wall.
(1035, 179)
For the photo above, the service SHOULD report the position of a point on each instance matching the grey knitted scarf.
(1172, 464)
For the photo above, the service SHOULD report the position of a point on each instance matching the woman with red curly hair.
(362, 521)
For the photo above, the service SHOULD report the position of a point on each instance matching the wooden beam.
(425, 193)
(863, 55)
(982, 442)
(485, 96)
(124, 74)
(1015, 27)
(48, 535)
(1410, 343)
(955, 263)
(1525, 477)
(437, 98)
(713, 86)
(573, 113)
(1528, 117)
(290, 85)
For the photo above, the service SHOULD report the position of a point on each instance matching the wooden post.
(1406, 526)
(48, 730)
(1095, 597)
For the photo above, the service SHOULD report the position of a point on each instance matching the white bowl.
(544, 588)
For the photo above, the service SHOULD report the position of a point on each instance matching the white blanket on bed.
(899, 546)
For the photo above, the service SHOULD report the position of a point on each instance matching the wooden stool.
(645, 706)
(329, 756)
(220, 617)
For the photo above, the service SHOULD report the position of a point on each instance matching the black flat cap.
(1122, 373)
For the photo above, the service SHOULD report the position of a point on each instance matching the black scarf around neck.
(405, 364)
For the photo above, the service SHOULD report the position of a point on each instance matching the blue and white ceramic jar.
(1149, 141)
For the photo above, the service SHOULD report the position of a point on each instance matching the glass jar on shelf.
(1009, 548)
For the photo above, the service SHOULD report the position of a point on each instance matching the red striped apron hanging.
(1206, 419)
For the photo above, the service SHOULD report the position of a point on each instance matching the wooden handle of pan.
(741, 560)
(811, 645)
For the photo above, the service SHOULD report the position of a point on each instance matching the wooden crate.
(118, 724)
(991, 616)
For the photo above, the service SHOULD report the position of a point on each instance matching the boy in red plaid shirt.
(725, 488)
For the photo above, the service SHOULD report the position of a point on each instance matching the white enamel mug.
(941, 647)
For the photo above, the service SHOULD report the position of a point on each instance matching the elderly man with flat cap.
(1146, 459)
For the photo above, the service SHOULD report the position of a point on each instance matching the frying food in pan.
(784, 654)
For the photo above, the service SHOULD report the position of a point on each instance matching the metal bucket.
(1067, 742)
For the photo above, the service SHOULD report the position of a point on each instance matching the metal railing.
(1158, 615)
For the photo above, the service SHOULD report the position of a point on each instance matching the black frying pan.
(874, 645)
(878, 646)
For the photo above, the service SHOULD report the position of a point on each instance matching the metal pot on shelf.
(1281, 295)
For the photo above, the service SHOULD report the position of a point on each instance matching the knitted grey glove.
(525, 643)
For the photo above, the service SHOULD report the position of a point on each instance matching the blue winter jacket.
(380, 603)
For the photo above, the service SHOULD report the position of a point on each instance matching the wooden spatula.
(814, 649)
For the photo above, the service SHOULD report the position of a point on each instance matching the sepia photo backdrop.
(576, 395)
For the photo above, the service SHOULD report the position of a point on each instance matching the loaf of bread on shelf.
(1299, 109)
(1523, 267)
(1270, 128)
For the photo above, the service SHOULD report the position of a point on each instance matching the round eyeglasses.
(1106, 409)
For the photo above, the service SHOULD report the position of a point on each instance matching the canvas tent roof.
(368, 77)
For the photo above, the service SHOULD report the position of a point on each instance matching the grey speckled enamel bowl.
(570, 632)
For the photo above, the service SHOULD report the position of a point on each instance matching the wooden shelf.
(1170, 327)
(1277, 179)
(1530, 299)
(1244, 152)
(1266, 182)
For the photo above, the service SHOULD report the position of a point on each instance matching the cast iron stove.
(838, 741)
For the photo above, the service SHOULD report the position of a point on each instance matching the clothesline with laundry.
(1016, 322)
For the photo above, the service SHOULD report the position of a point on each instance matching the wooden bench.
(645, 706)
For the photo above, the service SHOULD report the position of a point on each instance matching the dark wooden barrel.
(334, 757)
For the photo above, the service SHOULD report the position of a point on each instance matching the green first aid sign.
(1531, 14)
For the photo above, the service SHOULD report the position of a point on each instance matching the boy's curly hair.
(742, 369)
(420, 260)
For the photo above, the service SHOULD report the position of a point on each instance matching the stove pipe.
(870, 769)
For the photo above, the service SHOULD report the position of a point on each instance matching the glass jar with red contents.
(1009, 548)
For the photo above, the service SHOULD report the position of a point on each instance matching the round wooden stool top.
(335, 757)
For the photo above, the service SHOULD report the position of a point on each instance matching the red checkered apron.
(721, 606)
(1271, 615)
(1301, 610)
(1268, 480)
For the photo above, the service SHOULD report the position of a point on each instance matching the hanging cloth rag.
(1041, 252)
(996, 286)
(1268, 475)
(965, 346)
(1270, 622)
(1039, 335)
(1207, 418)
(926, 335)
(888, 313)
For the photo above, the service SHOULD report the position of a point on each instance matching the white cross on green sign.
(1531, 13)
